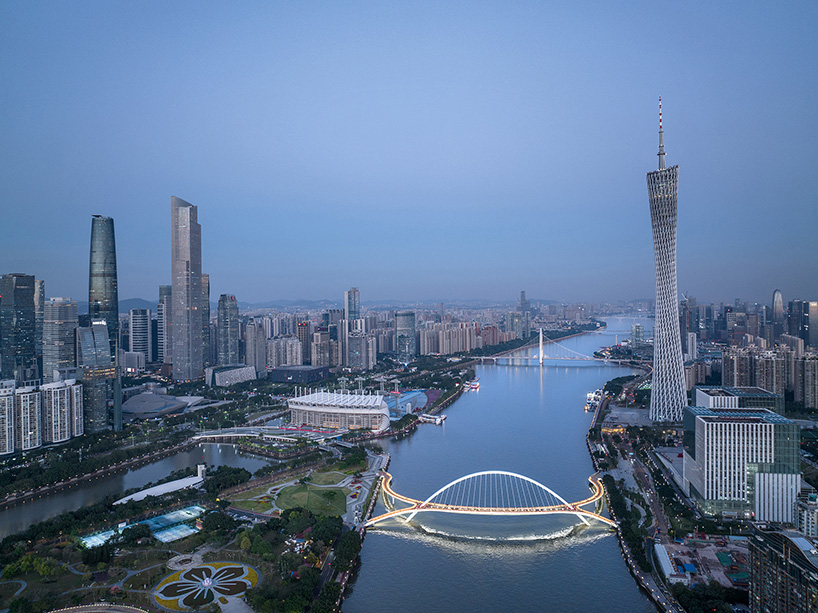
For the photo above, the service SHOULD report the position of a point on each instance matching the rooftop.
(765, 415)
(340, 399)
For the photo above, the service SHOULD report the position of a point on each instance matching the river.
(525, 419)
(23, 514)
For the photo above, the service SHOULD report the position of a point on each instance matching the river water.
(20, 516)
(525, 419)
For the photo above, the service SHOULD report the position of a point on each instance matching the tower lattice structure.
(668, 390)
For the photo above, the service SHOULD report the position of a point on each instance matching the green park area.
(317, 500)
(311, 493)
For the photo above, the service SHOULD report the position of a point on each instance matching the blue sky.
(418, 150)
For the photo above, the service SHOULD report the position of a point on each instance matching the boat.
(475, 385)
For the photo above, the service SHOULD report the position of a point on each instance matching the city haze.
(418, 151)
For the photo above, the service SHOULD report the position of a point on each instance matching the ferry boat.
(592, 400)
(475, 385)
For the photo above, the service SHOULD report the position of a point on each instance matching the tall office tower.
(6, 420)
(523, 304)
(17, 327)
(304, 334)
(255, 346)
(779, 317)
(59, 335)
(206, 319)
(798, 320)
(39, 302)
(99, 377)
(228, 327)
(141, 332)
(103, 298)
(28, 433)
(668, 391)
(163, 309)
(405, 336)
(186, 293)
(352, 304)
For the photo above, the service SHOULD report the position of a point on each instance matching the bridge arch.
(490, 473)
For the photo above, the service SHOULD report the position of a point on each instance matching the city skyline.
(440, 153)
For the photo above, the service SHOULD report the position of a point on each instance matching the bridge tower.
(540, 346)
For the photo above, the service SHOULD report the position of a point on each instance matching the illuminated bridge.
(493, 492)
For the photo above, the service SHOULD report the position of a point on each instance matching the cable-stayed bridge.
(492, 492)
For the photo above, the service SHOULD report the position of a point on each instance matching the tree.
(132, 534)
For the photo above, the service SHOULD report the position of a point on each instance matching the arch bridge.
(493, 492)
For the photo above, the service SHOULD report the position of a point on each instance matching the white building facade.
(339, 411)
(742, 462)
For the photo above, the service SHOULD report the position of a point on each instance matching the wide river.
(525, 419)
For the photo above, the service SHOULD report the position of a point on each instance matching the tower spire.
(661, 153)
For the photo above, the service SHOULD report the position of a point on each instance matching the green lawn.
(318, 500)
(327, 478)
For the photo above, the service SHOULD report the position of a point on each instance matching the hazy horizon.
(414, 150)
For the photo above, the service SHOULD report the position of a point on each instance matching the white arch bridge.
(493, 492)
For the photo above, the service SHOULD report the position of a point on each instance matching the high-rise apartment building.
(17, 327)
(186, 293)
(783, 571)
(352, 304)
(141, 332)
(103, 297)
(6, 420)
(405, 336)
(59, 336)
(668, 390)
(228, 330)
(28, 432)
(62, 408)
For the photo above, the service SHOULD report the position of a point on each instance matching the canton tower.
(668, 391)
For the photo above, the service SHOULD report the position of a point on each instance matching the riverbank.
(46, 490)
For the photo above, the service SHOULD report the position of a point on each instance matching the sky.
(417, 150)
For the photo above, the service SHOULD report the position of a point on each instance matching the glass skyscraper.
(103, 299)
(17, 327)
(668, 389)
(228, 330)
(186, 293)
(405, 336)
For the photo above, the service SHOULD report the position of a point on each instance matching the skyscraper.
(186, 293)
(99, 377)
(228, 330)
(206, 319)
(103, 298)
(17, 327)
(405, 336)
(141, 332)
(352, 304)
(39, 303)
(668, 390)
(163, 308)
(255, 346)
(59, 335)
